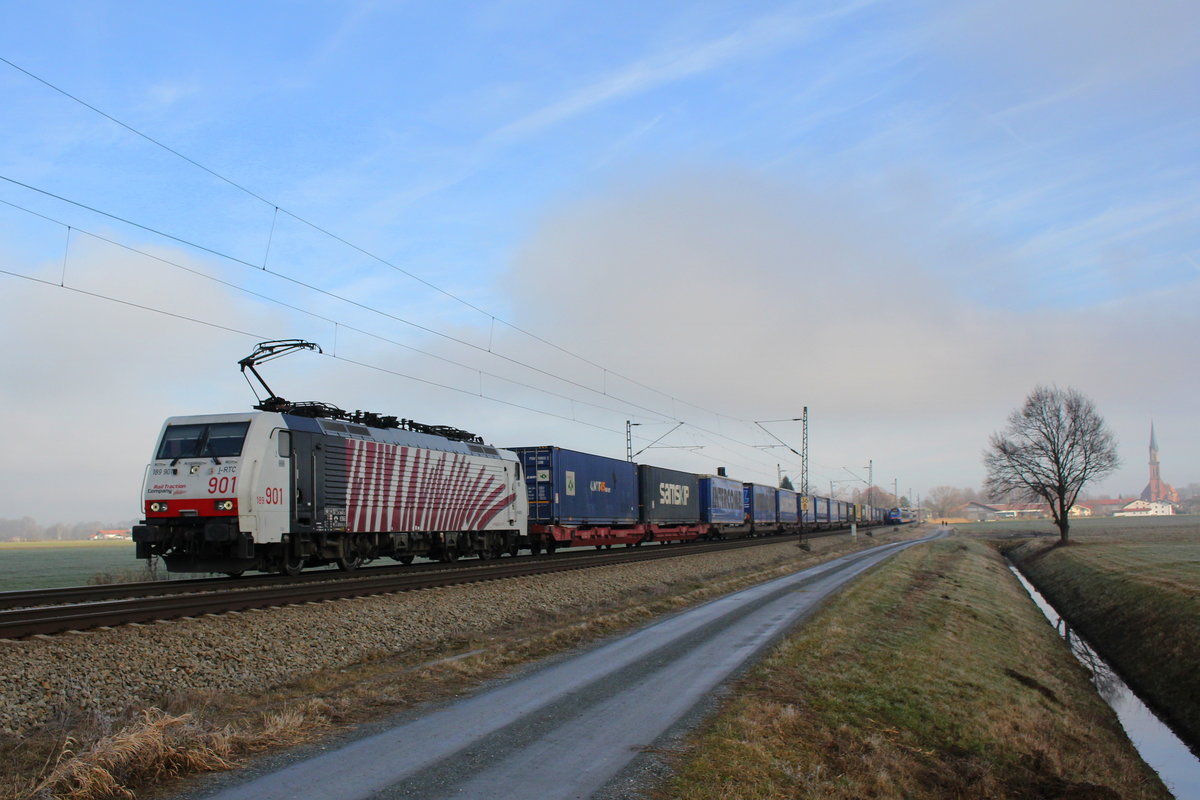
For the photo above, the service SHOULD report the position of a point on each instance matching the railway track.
(80, 608)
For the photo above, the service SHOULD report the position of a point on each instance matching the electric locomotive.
(296, 484)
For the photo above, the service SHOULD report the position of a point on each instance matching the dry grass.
(158, 746)
(932, 677)
(197, 732)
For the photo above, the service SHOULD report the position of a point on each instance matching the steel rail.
(26, 598)
(21, 598)
(46, 620)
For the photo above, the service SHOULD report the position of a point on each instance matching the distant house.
(1147, 508)
(1099, 508)
(976, 512)
(1021, 510)
(120, 534)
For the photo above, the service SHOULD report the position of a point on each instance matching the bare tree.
(941, 500)
(1052, 447)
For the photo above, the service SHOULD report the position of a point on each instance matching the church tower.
(1157, 489)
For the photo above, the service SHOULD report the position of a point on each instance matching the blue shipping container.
(758, 502)
(786, 507)
(721, 500)
(572, 488)
(822, 510)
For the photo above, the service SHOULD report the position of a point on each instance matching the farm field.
(908, 685)
(1132, 587)
(42, 565)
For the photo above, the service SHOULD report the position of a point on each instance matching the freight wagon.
(581, 499)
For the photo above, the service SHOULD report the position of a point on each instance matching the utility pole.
(804, 455)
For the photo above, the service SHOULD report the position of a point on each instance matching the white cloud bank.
(757, 300)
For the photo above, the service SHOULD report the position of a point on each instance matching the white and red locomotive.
(275, 491)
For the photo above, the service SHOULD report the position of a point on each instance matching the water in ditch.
(1158, 745)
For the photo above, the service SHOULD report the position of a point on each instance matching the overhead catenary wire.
(306, 285)
(335, 296)
(71, 229)
(261, 336)
(277, 208)
(263, 267)
(258, 336)
(330, 320)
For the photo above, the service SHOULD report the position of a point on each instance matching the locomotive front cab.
(192, 499)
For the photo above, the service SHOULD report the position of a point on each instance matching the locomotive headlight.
(224, 505)
(158, 506)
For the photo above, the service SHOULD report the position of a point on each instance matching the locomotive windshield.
(203, 440)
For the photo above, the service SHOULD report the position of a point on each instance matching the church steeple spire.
(1157, 489)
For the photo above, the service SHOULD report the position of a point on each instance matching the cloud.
(759, 298)
(87, 382)
(1077, 50)
(757, 38)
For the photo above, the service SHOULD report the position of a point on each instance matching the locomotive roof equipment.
(269, 351)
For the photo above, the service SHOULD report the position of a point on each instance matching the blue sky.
(903, 215)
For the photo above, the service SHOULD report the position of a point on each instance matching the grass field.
(41, 565)
(1132, 588)
(933, 676)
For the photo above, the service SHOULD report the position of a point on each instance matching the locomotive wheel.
(551, 546)
(535, 547)
(449, 555)
(291, 565)
(484, 554)
(236, 574)
(350, 559)
(405, 559)
(513, 549)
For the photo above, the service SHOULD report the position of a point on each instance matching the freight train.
(276, 491)
(291, 485)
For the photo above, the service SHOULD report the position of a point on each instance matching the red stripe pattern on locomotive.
(395, 488)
